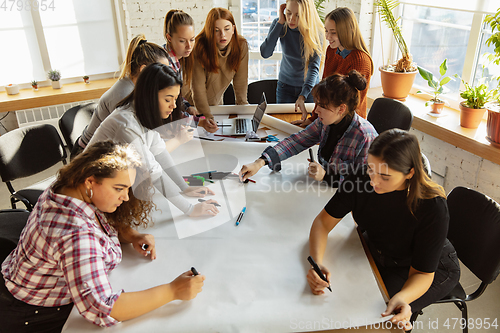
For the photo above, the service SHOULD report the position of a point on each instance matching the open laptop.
(240, 126)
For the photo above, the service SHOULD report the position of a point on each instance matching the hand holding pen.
(316, 277)
(145, 245)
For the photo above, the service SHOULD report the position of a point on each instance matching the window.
(452, 29)
(76, 37)
(256, 20)
(437, 34)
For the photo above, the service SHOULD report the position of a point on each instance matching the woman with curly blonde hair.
(72, 240)
(302, 38)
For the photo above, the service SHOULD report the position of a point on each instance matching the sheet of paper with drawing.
(255, 272)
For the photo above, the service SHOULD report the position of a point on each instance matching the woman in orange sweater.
(347, 51)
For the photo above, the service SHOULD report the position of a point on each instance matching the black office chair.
(387, 113)
(474, 231)
(12, 222)
(73, 122)
(25, 152)
(427, 165)
(256, 88)
(229, 98)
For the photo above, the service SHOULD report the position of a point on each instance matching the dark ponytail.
(340, 89)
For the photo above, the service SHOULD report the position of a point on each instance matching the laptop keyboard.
(241, 125)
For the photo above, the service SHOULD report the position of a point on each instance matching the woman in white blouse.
(151, 105)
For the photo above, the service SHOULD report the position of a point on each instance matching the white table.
(255, 272)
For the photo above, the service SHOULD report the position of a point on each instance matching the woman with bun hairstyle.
(347, 51)
(343, 136)
(404, 218)
(140, 53)
(71, 242)
(300, 31)
(139, 119)
(220, 57)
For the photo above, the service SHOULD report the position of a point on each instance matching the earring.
(91, 193)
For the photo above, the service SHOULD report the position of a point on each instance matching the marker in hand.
(318, 271)
(213, 203)
(145, 247)
(194, 271)
(311, 156)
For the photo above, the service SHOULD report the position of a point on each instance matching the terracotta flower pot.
(470, 118)
(396, 85)
(437, 107)
(493, 124)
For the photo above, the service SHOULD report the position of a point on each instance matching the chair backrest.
(73, 122)
(475, 231)
(29, 150)
(12, 222)
(387, 113)
(256, 88)
(427, 165)
(229, 98)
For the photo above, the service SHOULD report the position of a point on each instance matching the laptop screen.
(259, 113)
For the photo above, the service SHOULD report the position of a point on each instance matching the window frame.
(120, 28)
(252, 55)
(473, 46)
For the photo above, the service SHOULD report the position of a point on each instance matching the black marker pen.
(194, 271)
(311, 156)
(318, 271)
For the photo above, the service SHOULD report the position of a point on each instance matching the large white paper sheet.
(255, 272)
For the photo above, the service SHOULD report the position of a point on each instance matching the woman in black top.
(405, 221)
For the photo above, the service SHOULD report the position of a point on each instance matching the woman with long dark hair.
(404, 217)
(138, 119)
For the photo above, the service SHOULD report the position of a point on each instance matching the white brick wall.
(146, 16)
(459, 167)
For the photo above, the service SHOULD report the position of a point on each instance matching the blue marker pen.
(240, 216)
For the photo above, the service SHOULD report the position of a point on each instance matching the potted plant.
(493, 122)
(12, 89)
(436, 85)
(472, 108)
(34, 84)
(397, 79)
(55, 76)
(86, 79)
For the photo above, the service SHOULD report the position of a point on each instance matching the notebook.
(240, 126)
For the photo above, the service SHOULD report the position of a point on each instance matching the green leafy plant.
(34, 83)
(494, 22)
(436, 85)
(475, 96)
(54, 75)
(85, 77)
(320, 7)
(385, 8)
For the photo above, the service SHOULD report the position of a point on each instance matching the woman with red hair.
(221, 56)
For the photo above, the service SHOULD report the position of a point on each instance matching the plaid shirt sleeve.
(294, 144)
(83, 258)
(351, 151)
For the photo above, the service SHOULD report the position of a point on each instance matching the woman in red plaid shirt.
(72, 240)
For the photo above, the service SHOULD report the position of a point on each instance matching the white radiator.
(46, 115)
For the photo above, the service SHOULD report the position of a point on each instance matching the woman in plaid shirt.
(72, 240)
(342, 135)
